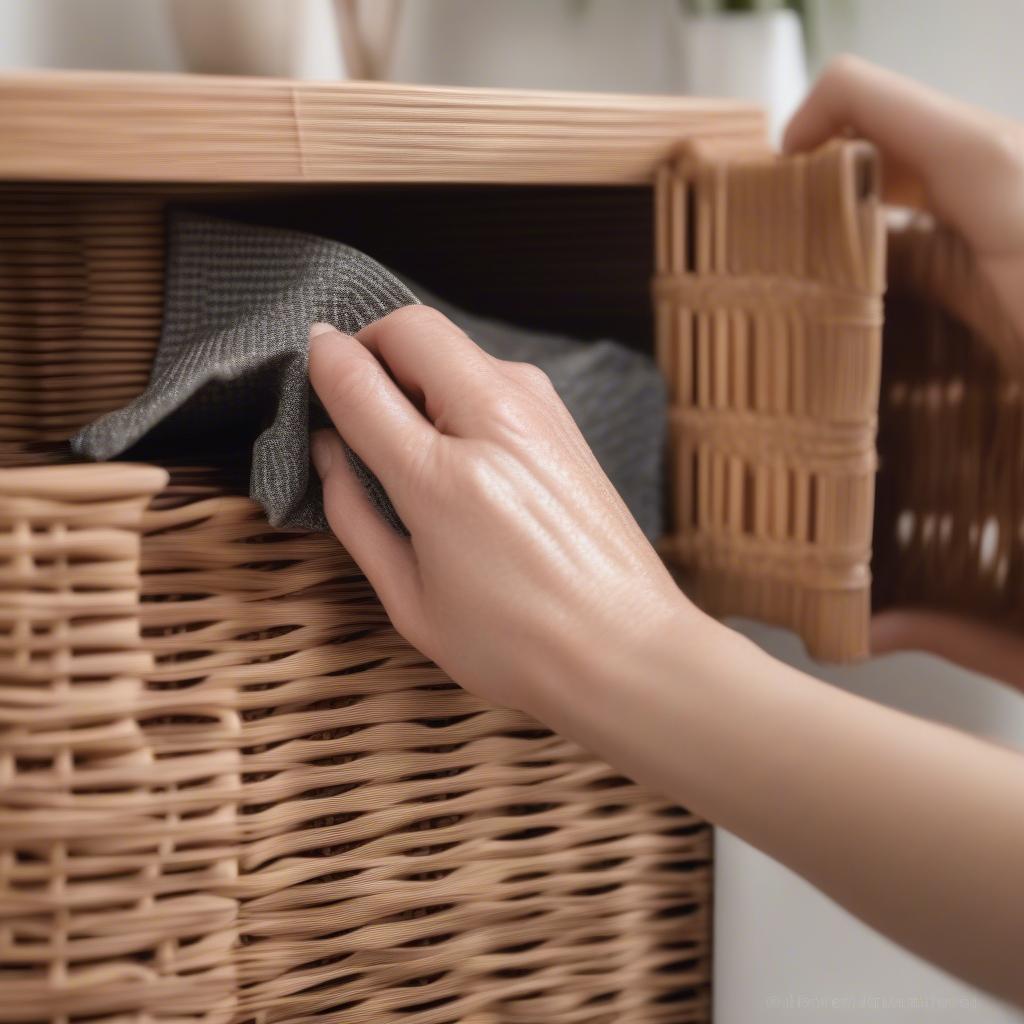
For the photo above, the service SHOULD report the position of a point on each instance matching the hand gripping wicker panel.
(768, 292)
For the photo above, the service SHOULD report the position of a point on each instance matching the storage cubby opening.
(82, 273)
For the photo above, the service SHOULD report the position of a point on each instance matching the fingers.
(369, 410)
(919, 131)
(898, 114)
(386, 557)
(434, 362)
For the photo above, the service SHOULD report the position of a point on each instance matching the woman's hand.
(523, 563)
(526, 579)
(962, 163)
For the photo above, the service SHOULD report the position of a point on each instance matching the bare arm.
(526, 579)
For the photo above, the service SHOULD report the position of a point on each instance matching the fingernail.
(317, 329)
(321, 451)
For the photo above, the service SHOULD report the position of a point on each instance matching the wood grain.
(91, 126)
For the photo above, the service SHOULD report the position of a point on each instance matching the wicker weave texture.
(232, 792)
(768, 305)
(287, 815)
(81, 296)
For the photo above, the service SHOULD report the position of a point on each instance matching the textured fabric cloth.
(232, 366)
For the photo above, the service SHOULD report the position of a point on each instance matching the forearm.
(915, 828)
(521, 567)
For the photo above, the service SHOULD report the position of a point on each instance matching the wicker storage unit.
(230, 792)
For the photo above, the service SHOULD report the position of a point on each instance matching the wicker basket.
(231, 792)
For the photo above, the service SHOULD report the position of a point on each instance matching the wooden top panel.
(90, 126)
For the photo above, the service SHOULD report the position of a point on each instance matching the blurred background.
(754, 49)
(782, 951)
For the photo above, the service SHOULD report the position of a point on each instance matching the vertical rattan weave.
(768, 295)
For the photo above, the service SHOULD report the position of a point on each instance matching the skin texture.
(966, 166)
(527, 581)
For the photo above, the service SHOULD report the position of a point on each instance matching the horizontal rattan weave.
(232, 792)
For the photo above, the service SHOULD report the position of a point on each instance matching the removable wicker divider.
(770, 273)
(949, 530)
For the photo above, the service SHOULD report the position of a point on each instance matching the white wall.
(786, 953)
(970, 48)
(116, 34)
(783, 952)
(138, 35)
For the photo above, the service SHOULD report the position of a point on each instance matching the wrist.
(604, 659)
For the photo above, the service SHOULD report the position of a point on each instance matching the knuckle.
(505, 412)
(417, 318)
(533, 377)
(1006, 156)
(353, 382)
(843, 68)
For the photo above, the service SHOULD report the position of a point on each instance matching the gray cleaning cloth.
(232, 367)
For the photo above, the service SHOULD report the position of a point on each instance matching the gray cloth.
(232, 364)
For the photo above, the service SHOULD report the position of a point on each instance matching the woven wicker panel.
(951, 438)
(768, 296)
(273, 809)
(98, 893)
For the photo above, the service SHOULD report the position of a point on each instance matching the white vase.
(279, 38)
(757, 56)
